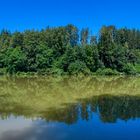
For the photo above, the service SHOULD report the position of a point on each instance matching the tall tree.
(72, 34)
(17, 40)
(5, 37)
(84, 36)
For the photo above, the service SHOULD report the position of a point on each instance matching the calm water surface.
(70, 108)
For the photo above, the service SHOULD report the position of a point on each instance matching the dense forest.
(68, 50)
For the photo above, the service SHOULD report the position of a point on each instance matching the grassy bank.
(100, 72)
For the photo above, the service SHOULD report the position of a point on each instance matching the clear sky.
(28, 14)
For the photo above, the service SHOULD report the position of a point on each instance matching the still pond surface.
(70, 108)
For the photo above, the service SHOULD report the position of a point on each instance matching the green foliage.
(129, 69)
(92, 59)
(137, 67)
(78, 67)
(5, 37)
(44, 57)
(15, 60)
(106, 71)
(16, 40)
(60, 51)
(84, 36)
(72, 33)
(57, 67)
(2, 71)
(31, 42)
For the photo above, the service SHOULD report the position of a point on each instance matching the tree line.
(68, 50)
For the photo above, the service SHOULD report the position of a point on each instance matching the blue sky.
(28, 14)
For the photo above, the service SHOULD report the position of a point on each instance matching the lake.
(70, 108)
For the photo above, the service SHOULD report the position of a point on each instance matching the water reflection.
(69, 108)
(82, 117)
(109, 108)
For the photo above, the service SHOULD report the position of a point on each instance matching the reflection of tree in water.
(112, 108)
(109, 108)
(43, 97)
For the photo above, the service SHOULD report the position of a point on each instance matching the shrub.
(129, 69)
(15, 60)
(2, 71)
(107, 71)
(78, 67)
(57, 71)
(137, 67)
